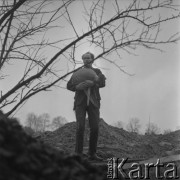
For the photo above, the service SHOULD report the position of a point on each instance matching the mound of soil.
(116, 142)
(24, 158)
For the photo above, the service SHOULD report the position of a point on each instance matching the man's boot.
(94, 157)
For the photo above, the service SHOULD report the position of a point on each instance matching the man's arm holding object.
(101, 80)
(81, 86)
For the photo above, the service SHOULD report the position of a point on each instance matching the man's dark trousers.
(93, 116)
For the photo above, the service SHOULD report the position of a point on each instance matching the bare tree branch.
(11, 11)
(25, 29)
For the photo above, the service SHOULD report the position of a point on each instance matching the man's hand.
(84, 85)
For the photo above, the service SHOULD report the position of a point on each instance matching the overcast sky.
(152, 92)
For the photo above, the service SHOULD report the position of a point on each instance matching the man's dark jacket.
(80, 96)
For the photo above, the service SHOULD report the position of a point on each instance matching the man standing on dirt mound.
(87, 100)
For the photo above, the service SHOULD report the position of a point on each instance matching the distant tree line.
(42, 123)
(134, 126)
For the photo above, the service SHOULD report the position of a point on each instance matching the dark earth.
(50, 156)
(116, 142)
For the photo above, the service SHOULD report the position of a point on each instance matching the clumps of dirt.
(24, 158)
(116, 142)
(62, 138)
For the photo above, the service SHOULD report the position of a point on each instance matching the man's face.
(88, 60)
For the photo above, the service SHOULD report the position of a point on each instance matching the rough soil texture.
(24, 158)
(115, 142)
